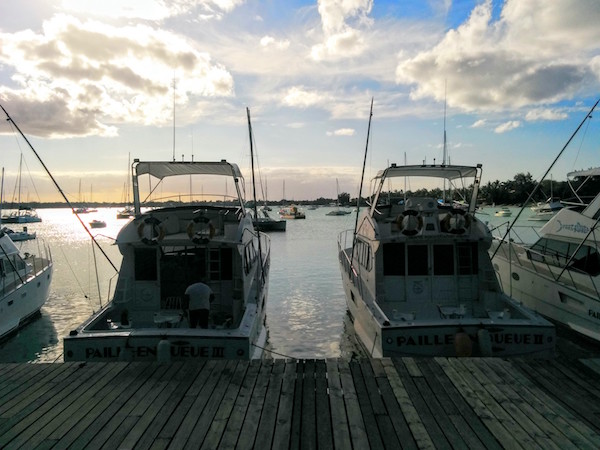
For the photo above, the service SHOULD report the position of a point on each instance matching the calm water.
(306, 312)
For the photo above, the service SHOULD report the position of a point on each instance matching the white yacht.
(559, 274)
(211, 239)
(24, 285)
(419, 281)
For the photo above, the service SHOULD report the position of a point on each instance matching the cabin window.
(443, 259)
(587, 260)
(418, 263)
(145, 264)
(468, 261)
(393, 259)
(362, 252)
(179, 269)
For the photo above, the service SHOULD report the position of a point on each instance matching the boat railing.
(345, 242)
(546, 264)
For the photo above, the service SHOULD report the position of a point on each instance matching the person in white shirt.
(199, 296)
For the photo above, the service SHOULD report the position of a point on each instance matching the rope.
(275, 353)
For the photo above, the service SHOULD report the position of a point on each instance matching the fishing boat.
(419, 281)
(18, 236)
(291, 212)
(97, 224)
(210, 239)
(268, 223)
(503, 212)
(558, 275)
(24, 285)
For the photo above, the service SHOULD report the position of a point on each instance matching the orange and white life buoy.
(409, 222)
(156, 234)
(204, 234)
(457, 221)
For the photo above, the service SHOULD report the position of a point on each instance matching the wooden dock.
(411, 403)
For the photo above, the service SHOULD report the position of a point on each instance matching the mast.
(362, 178)
(254, 192)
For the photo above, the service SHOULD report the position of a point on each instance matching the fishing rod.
(510, 226)
(58, 188)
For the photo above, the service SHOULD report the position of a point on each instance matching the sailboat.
(337, 211)
(23, 214)
(128, 210)
(84, 209)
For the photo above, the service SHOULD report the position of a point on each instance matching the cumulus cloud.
(507, 126)
(152, 9)
(269, 41)
(479, 123)
(298, 96)
(545, 114)
(89, 74)
(510, 62)
(342, 132)
(341, 21)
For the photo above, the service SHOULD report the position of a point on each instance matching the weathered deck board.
(322, 404)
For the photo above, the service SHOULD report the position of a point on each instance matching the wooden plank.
(217, 427)
(104, 403)
(308, 425)
(249, 427)
(420, 405)
(238, 413)
(565, 422)
(34, 387)
(116, 426)
(502, 395)
(365, 408)
(481, 409)
(283, 423)
(413, 420)
(324, 432)
(212, 405)
(69, 407)
(339, 420)
(567, 395)
(551, 435)
(297, 407)
(147, 426)
(17, 375)
(266, 426)
(578, 377)
(592, 364)
(201, 398)
(355, 419)
(31, 410)
(37, 383)
(201, 375)
(471, 428)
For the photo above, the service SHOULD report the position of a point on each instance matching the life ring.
(410, 228)
(157, 232)
(457, 221)
(200, 236)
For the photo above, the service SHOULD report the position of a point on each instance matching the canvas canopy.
(163, 169)
(447, 172)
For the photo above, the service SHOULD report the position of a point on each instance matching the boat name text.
(573, 227)
(448, 339)
(594, 314)
(177, 351)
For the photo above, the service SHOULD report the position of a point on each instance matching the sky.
(94, 83)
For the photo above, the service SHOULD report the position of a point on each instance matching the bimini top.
(441, 171)
(594, 172)
(164, 169)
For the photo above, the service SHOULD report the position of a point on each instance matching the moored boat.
(167, 253)
(291, 212)
(24, 284)
(558, 275)
(419, 281)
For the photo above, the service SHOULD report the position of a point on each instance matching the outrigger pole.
(58, 188)
(362, 178)
(587, 116)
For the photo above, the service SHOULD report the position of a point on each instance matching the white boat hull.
(20, 306)
(559, 302)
